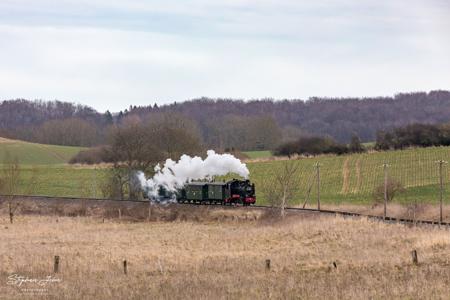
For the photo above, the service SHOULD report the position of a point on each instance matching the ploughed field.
(344, 179)
(219, 254)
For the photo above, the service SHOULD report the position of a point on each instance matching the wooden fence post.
(125, 271)
(56, 264)
(385, 166)
(441, 189)
(414, 257)
(149, 215)
(268, 264)
(318, 185)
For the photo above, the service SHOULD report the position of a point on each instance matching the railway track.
(312, 210)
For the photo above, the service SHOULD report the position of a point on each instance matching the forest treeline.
(315, 145)
(414, 135)
(53, 122)
(227, 123)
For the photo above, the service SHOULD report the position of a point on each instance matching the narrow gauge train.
(231, 192)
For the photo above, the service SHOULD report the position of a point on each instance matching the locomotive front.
(242, 191)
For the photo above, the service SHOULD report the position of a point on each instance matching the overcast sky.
(109, 54)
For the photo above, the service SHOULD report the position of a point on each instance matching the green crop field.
(61, 180)
(353, 178)
(38, 154)
(258, 154)
(344, 179)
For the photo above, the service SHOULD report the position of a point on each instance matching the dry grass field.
(428, 212)
(219, 254)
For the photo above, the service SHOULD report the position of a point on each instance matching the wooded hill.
(226, 123)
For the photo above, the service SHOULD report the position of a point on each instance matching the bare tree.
(71, 131)
(9, 183)
(174, 134)
(112, 184)
(132, 145)
(281, 185)
(132, 148)
(138, 146)
(242, 133)
(393, 188)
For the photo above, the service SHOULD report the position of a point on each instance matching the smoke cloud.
(173, 175)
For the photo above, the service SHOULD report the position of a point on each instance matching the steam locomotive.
(231, 192)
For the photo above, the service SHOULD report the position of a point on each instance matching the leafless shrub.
(9, 183)
(280, 186)
(92, 156)
(393, 188)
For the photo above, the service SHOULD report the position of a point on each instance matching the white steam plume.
(174, 175)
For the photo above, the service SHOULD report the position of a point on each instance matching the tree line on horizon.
(414, 135)
(230, 124)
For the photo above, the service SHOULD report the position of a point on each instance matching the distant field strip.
(258, 154)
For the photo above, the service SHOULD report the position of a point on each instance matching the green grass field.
(369, 145)
(344, 179)
(38, 154)
(61, 180)
(258, 154)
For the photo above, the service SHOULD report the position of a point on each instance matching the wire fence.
(359, 177)
(413, 176)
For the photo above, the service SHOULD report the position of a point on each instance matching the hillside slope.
(36, 154)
